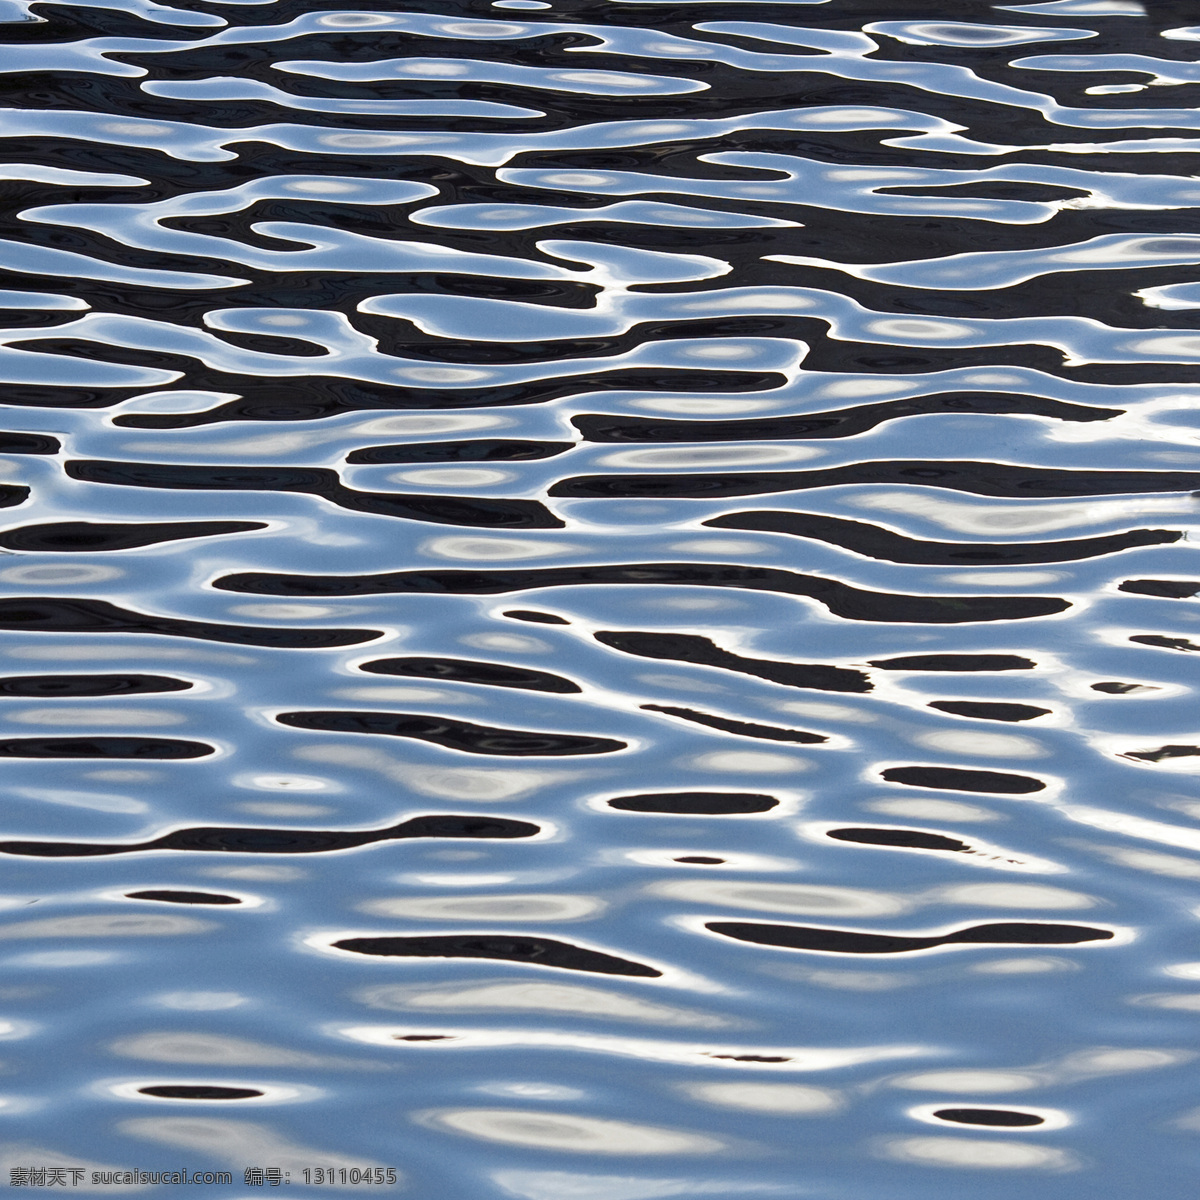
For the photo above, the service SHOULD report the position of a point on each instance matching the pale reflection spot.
(779, 1099)
(484, 29)
(214, 1049)
(452, 477)
(263, 873)
(984, 745)
(473, 549)
(414, 426)
(486, 908)
(107, 925)
(317, 187)
(704, 406)
(1180, 1003)
(400, 695)
(562, 998)
(97, 801)
(58, 653)
(570, 1133)
(979, 1154)
(284, 783)
(684, 457)
(966, 1082)
(723, 546)
(63, 958)
(1109, 1061)
(854, 981)
(801, 898)
(480, 784)
(441, 879)
(442, 375)
(505, 641)
(563, 1185)
(353, 20)
(145, 128)
(906, 328)
(532, 1091)
(289, 612)
(682, 682)
(240, 1142)
(265, 809)
(932, 810)
(820, 711)
(860, 386)
(122, 775)
(753, 761)
(1003, 578)
(693, 603)
(201, 1001)
(1183, 970)
(60, 576)
(1023, 966)
(97, 717)
(1014, 895)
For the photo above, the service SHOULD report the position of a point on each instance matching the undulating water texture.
(598, 599)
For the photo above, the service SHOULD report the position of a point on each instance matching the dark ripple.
(453, 734)
(959, 779)
(852, 603)
(875, 542)
(844, 422)
(690, 647)
(472, 450)
(770, 733)
(53, 614)
(906, 839)
(28, 443)
(322, 482)
(850, 941)
(237, 840)
(707, 804)
(1163, 753)
(462, 670)
(539, 951)
(103, 747)
(955, 662)
(91, 536)
(538, 618)
(1168, 589)
(991, 1117)
(990, 710)
(1164, 642)
(167, 896)
(978, 478)
(198, 1091)
(45, 686)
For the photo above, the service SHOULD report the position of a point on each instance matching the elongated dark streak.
(979, 478)
(851, 603)
(874, 542)
(238, 840)
(323, 482)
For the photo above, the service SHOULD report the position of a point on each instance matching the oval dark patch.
(911, 839)
(167, 896)
(49, 686)
(708, 804)
(989, 1116)
(958, 779)
(540, 951)
(199, 1091)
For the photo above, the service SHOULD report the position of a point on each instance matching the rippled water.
(597, 598)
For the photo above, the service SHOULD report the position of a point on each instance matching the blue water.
(597, 599)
